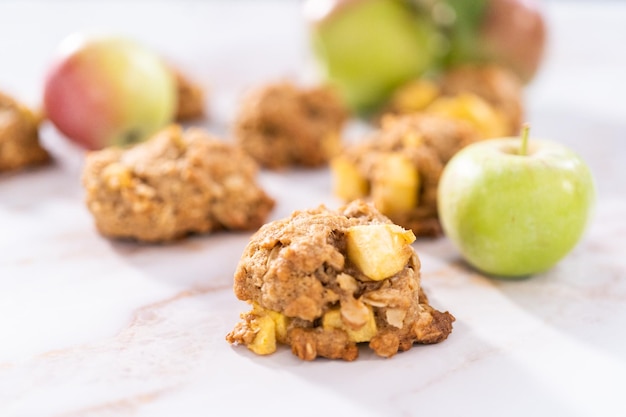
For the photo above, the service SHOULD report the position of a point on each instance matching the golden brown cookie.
(191, 98)
(282, 125)
(19, 136)
(398, 168)
(490, 97)
(177, 183)
(323, 281)
(497, 85)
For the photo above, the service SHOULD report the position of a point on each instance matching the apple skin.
(513, 215)
(103, 91)
(368, 48)
(512, 33)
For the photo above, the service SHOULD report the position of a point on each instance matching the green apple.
(102, 91)
(368, 48)
(515, 207)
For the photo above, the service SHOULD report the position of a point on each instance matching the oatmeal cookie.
(19, 136)
(323, 281)
(282, 125)
(190, 98)
(496, 84)
(177, 183)
(398, 168)
(488, 96)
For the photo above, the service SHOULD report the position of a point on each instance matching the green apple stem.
(524, 136)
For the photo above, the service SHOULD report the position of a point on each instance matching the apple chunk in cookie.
(322, 281)
(177, 183)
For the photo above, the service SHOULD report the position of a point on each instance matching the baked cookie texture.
(488, 96)
(323, 281)
(19, 136)
(399, 166)
(191, 96)
(497, 85)
(282, 125)
(175, 184)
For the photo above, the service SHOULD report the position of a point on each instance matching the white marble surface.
(90, 327)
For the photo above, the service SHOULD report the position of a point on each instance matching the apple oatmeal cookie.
(323, 281)
(19, 136)
(490, 97)
(282, 125)
(177, 183)
(190, 104)
(398, 168)
(499, 86)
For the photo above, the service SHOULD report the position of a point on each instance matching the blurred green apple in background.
(368, 48)
(512, 212)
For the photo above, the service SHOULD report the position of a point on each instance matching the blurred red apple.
(511, 33)
(103, 91)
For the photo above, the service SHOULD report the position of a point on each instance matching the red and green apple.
(512, 33)
(103, 91)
